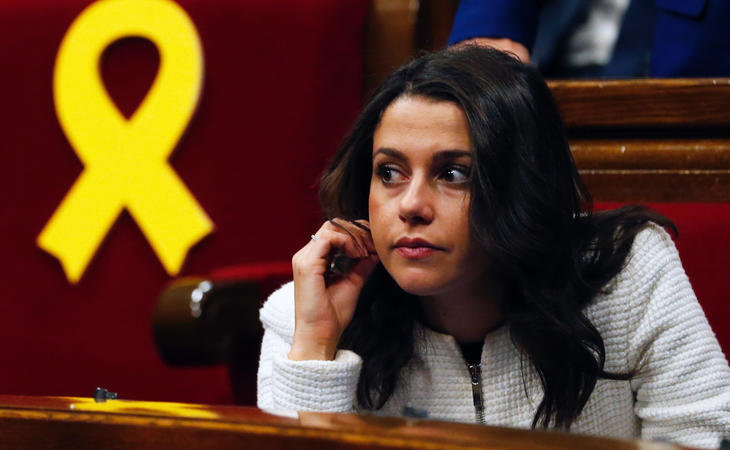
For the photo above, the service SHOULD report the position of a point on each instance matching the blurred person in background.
(604, 38)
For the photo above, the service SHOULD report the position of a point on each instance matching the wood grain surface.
(649, 140)
(644, 102)
(655, 170)
(80, 423)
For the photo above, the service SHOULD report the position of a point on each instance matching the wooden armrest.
(215, 320)
(200, 322)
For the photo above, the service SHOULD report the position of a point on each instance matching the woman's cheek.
(378, 225)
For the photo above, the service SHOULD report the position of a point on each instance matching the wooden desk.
(80, 423)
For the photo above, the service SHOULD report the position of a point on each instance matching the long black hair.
(529, 211)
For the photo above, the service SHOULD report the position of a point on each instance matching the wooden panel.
(79, 423)
(651, 186)
(662, 170)
(647, 154)
(644, 102)
(390, 32)
(433, 24)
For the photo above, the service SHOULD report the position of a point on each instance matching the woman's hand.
(325, 302)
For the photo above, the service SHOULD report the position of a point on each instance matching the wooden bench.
(650, 140)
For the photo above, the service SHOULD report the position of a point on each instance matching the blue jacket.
(662, 38)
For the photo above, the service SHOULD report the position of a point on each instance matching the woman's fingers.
(359, 230)
(349, 238)
(364, 225)
(315, 256)
(353, 231)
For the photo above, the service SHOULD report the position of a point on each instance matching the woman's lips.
(415, 252)
(415, 248)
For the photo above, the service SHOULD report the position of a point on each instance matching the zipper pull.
(475, 371)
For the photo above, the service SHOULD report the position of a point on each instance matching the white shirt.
(593, 41)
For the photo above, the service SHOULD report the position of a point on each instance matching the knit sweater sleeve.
(300, 385)
(682, 380)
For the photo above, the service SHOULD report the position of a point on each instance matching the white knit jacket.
(650, 322)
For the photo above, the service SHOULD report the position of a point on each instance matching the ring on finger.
(314, 237)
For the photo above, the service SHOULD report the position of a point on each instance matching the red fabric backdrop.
(282, 82)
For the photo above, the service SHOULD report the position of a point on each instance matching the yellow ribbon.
(125, 161)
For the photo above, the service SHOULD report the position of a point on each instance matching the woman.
(483, 287)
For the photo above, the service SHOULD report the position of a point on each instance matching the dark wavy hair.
(530, 212)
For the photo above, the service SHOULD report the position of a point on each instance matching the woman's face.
(419, 197)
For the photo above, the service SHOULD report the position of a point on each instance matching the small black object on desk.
(101, 395)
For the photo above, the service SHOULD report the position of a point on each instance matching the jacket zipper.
(475, 371)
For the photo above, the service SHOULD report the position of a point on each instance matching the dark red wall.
(282, 82)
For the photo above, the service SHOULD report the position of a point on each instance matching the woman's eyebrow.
(451, 154)
(444, 154)
(393, 153)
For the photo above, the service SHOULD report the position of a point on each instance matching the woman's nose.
(416, 202)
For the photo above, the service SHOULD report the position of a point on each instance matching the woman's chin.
(419, 284)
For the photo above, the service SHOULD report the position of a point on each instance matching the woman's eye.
(455, 174)
(389, 174)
